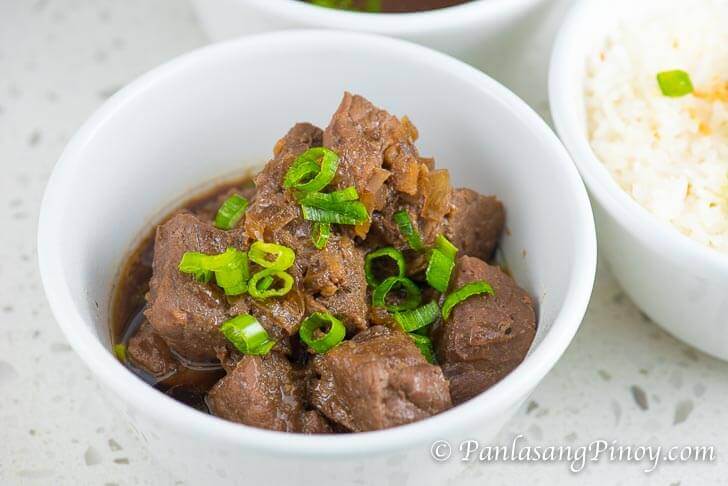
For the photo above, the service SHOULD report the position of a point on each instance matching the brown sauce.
(388, 6)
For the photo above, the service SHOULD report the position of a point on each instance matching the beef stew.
(345, 288)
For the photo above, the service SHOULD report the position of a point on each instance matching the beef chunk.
(475, 223)
(274, 207)
(312, 422)
(332, 278)
(486, 336)
(360, 133)
(186, 313)
(335, 279)
(376, 380)
(148, 351)
(379, 158)
(265, 392)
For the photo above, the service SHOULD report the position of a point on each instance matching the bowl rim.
(568, 57)
(471, 13)
(171, 414)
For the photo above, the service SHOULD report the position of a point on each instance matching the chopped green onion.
(312, 170)
(247, 335)
(258, 281)
(226, 260)
(320, 320)
(230, 268)
(194, 263)
(441, 264)
(284, 256)
(424, 344)
(674, 83)
(328, 200)
(408, 230)
(120, 352)
(340, 207)
(233, 278)
(444, 245)
(388, 252)
(231, 211)
(411, 300)
(464, 292)
(353, 213)
(418, 318)
(320, 233)
(439, 270)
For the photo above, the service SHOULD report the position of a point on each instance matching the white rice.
(669, 154)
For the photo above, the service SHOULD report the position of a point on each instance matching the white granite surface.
(622, 378)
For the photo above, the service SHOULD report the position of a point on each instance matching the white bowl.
(220, 110)
(470, 31)
(679, 283)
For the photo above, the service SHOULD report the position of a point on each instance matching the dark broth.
(388, 6)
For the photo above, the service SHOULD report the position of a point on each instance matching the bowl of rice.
(639, 96)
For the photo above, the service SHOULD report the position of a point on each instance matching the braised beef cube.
(261, 392)
(265, 392)
(486, 336)
(312, 422)
(360, 133)
(279, 316)
(274, 207)
(148, 351)
(330, 279)
(475, 223)
(336, 281)
(376, 380)
(184, 312)
(379, 158)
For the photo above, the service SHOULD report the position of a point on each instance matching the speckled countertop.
(621, 379)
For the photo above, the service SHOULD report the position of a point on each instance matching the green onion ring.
(463, 293)
(231, 211)
(247, 335)
(413, 299)
(402, 218)
(319, 320)
(418, 318)
(312, 170)
(284, 256)
(389, 252)
(260, 279)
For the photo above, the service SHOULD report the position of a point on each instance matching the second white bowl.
(472, 31)
(679, 283)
